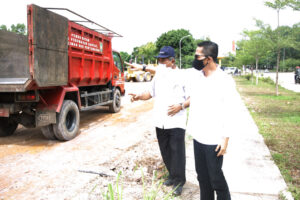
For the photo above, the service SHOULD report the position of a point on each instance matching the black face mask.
(198, 64)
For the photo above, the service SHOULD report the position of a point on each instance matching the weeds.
(114, 192)
(152, 192)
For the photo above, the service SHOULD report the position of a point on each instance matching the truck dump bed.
(56, 52)
(14, 65)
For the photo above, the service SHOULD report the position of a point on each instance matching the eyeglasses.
(197, 56)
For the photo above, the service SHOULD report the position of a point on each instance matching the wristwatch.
(182, 106)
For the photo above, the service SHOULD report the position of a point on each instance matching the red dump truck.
(60, 68)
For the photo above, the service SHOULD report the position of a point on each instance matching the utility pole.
(180, 49)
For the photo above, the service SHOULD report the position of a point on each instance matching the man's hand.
(174, 109)
(134, 97)
(222, 147)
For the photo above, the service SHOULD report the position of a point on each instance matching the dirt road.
(32, 167)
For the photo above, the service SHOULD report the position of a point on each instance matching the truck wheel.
(48, 132)
(116, 104)
(7, 126)
(147, 76)
(67, 121)
(139, 77)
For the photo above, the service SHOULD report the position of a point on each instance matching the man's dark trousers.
(172, 148)
(209, 171)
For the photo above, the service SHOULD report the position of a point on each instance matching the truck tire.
(7, 126)
(147, 76)
(116, 104)
(67, 121)
(48, 132)
(139, 77)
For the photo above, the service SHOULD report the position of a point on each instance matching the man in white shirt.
(170, 116)
(212, 97)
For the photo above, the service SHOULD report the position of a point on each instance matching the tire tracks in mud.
(111, 142)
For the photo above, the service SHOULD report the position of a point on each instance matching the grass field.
(278, 120)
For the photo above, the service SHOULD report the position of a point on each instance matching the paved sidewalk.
(286, 80)
(249, 169)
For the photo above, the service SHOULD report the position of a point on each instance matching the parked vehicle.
(230, 70)
(297, 75)
(59, 69)
(137, 74)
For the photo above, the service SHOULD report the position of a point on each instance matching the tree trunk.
(278, 54)
(251, 74)
(256, 71)
(277, 69)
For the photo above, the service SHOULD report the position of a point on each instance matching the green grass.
(278, 120)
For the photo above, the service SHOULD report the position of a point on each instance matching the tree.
(242, 56)
(3, 27)
(295, 4)
(229, 60)
(187, 61)
(148, 51)
(278, 5)
(145, 53)
(289, 64)
(125, 56)
(172, 38)
(19, 28)
(256, 46)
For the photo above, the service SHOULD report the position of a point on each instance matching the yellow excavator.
(139, 73)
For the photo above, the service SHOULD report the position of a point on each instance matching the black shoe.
(168, 182)
(178, 190)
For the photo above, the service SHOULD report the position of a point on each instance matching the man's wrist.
(182, 106)
(139, 96)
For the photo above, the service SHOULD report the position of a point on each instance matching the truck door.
(118, 71)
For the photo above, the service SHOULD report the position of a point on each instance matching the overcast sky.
(142, 21)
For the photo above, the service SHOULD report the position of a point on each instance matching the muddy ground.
(32, 167)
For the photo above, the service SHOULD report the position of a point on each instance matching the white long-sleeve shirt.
(212, 106)
(168, 89)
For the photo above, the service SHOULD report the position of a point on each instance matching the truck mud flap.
(44, 118)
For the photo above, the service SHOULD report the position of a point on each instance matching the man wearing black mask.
(212, 96)
(198, 64)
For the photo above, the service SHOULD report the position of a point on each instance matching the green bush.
(248, 77)
(267, 80)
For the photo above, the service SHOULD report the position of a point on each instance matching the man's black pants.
(172, 148)
(210, 174)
